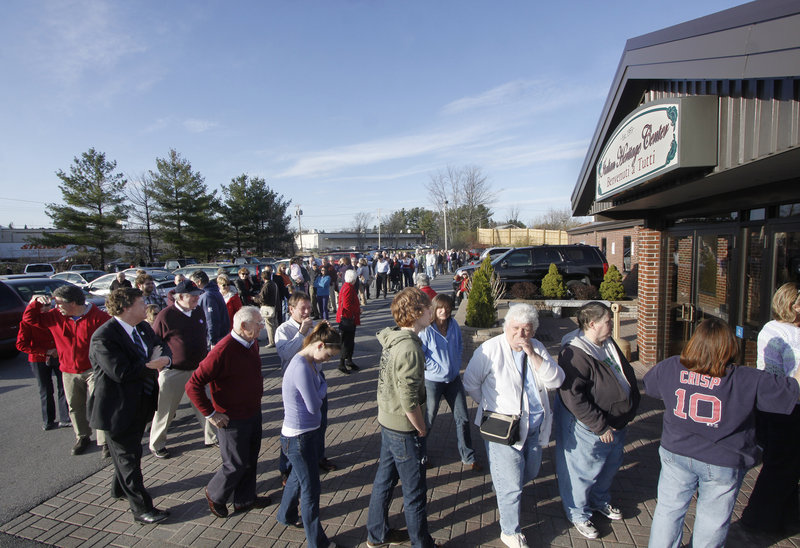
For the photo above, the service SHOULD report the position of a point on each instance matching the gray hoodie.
(401, 380)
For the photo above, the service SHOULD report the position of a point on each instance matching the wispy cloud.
(196, 125)
(326, 161)
(79, 37)
(484, 132)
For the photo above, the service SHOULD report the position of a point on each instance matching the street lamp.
(299, 213)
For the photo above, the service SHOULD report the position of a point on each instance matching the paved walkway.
(462, 508)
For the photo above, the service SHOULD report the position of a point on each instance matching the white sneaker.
(587, 529)
(611, 512)
(514, 541)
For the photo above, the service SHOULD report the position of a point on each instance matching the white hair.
(350, 276)
(522, 313)
(246, 314)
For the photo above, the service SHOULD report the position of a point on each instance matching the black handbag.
(502, 428)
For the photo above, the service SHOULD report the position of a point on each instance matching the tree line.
(171, 206)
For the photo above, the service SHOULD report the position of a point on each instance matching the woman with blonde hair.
(232, 300)
(364, 279)
(708, 438)
(774, 498)
(304, 389)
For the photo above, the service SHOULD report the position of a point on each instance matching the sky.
(342, 106)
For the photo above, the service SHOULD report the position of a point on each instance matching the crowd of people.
(117, 371)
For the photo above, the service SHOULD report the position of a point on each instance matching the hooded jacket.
(591, 391)
(401, 380)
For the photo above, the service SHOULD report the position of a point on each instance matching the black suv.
(576, 263)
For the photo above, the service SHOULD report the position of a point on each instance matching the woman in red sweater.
(348, 314)
(39, 345)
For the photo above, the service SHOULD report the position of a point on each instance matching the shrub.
(480, 304)
(612, 289)
(553, 284)
(583, 292)
(524, 290)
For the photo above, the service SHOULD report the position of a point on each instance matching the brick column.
(651, 284)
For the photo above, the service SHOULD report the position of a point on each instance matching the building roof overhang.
(756, 40)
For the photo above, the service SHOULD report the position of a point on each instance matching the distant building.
(332, 241)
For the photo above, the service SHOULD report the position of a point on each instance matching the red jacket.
(72, 336)
(233, 305)
(428, 290)
(348, 304)
(35, 342)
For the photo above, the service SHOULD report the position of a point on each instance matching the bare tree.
(557, 219)
(468, 193)
(360, 225)
(140, 195)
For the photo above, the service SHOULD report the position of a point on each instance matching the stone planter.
(473, 337)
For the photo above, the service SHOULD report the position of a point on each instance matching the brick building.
(618, 240)
(698, 148)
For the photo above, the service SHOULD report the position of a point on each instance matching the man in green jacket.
(401, 414)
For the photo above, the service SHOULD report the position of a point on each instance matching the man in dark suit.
(126, 356)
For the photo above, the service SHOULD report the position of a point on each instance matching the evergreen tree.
(186, 212)
(611, 289)
(92, 211)
(553, 284)
(480, 303)
(270, 222)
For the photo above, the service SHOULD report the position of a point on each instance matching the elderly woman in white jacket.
(493, 379)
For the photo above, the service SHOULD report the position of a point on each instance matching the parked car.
(209, 268)
(576, 263)
(39, 268)
(81, 278)
(174, 264)
(102, 286)
(15, 293)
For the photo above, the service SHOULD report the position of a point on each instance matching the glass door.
(698, 284)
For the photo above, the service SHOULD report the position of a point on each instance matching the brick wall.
(650, 295)
(614, 244)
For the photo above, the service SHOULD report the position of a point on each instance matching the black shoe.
(353, 366)
(219, 510)
(162, 453)
(49, 426)
(326, 465)
(105, 453)
(153, 516)
(81, 445)
(344, 369)
(65, 424)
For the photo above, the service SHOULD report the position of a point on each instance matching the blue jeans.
(303, 486)
(402, 456)
(511, 469)
(585, 465)
(453, 393)
(717, 487)
(322, 304)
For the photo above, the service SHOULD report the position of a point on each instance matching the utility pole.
(445, 224)
(299, 213)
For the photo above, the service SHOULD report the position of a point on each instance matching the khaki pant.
(270, 322)
(77, 389)
(171, 389)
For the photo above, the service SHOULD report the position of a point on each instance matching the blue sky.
(342, 106)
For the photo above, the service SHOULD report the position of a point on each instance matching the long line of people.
(208, 328)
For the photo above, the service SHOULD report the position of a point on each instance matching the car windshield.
(39, 268)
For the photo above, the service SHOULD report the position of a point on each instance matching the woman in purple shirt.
(304, 388)
(708, 438)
